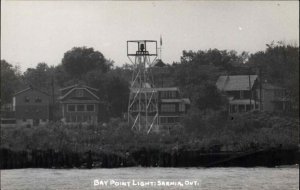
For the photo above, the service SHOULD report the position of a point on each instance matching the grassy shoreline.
(216, 137)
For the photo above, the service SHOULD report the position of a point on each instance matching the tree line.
(195, 74)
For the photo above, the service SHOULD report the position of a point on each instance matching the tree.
(279, 64)
(224, 59)
(198, 83)
(10, 81)
(39, 77)
(80, 60)
(113, 91)
(62, 78)
(118, 94)
(207, 96)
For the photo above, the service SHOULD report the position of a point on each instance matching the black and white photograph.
(161, 95)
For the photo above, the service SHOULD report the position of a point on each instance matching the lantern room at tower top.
(142, 47)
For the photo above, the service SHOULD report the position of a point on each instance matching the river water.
(283, 178)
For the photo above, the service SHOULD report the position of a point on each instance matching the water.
(205, 178)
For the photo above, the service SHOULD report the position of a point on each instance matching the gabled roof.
(31, 88)
(235, 82)
(78, 85)
(74, 87)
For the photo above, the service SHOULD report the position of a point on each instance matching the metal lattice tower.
(143, 98)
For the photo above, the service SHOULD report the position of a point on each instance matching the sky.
(42, 31)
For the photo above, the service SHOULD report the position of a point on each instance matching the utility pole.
(250, 90)
(260, 88)
(52, 94)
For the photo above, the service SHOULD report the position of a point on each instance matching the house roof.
(78, 85)
(235, 82)
(30, 88)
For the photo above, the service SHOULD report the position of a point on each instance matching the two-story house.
(171, 105)
(79, 104)
(31, 106)
(240, 91)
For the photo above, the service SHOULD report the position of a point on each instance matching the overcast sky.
(37, 31)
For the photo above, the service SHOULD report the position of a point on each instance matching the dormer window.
(79, 93)
(38, 99)
(26, 99)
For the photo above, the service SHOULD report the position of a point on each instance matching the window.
(248, 107)
(163, 120)
(241, 108)
(80, 107)
(38, 99)
(71, 108)
(168, 107)
(169, 120)
(246, 94)
(79, 93)
(233, 108)
(182, 107)
(168, 94)
(279, 93)
(234, 94)
(90, 107)
(24, 120)
(151, 108)
(173, 119)
(26, 99)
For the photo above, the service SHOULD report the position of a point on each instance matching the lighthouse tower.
(143, 98)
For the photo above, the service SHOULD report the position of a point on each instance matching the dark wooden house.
(32, 107)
